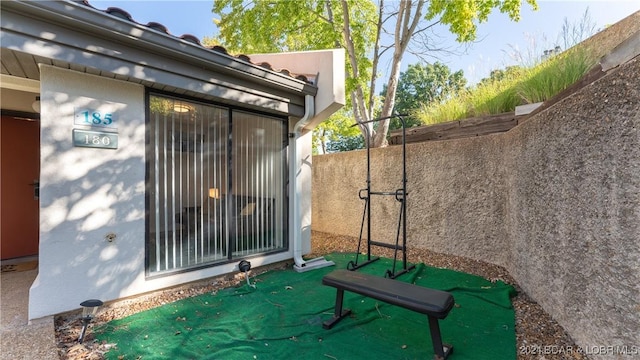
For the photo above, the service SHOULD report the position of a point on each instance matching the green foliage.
(449, 110)
(510, 72)
(253, 27)
(494, 98)
(336, 133)
(346, 143)
(512, 87)
(424, 84)
(257, 27)
(462, 15)
(160, 105)
(554, 75)
(262, 26)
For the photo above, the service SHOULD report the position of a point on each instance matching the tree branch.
(357, 97)
(376, 58)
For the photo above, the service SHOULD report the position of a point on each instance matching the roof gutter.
(301, 265)
(85, 18)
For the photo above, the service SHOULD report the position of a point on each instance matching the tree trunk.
(405, 27)
(357, 96)
(376, 59)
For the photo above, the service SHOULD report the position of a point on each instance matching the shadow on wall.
(88, 194)
(84, 202)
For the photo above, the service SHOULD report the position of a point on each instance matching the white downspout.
(300, 264)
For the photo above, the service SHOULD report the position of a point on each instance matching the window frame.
(150, 166)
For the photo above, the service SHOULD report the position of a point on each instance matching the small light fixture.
(36, 105)
(182, 108)
(245, 266)
(89, 310)
(214, 193)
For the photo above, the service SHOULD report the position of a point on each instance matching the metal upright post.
(404, 193)
(367, 207)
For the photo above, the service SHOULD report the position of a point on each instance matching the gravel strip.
(538, 335)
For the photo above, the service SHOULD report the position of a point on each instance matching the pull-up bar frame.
(400, 196)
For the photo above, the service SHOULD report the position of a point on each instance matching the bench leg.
(338, 313)
(441, 351)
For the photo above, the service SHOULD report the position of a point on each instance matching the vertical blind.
(215, 185)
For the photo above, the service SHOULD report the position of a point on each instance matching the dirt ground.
(538, 335)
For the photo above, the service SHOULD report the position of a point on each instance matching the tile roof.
(122, 14)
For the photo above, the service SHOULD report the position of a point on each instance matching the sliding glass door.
(216, 185)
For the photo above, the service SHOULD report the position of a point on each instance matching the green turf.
(282, 319)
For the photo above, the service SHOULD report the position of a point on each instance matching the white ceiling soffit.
(20, 84)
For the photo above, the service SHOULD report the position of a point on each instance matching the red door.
(19, 172)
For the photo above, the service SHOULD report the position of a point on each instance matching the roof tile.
(157, 26)
(119, 13)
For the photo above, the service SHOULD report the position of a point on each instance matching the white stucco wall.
(304, 145)
(87, 193)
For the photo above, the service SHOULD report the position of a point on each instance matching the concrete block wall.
(556, 201)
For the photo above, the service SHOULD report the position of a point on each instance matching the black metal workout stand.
(400, 196)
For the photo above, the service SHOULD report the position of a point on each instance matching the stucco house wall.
(87, 193)
(555, 200)
(93, 200)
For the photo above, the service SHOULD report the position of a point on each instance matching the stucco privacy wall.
(456, 191)
(574, 209)
(87, 193)
(556, 201)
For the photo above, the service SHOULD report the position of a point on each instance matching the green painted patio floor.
(282, 319)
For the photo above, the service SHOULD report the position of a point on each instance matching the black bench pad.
(427, 301)
(435, 304)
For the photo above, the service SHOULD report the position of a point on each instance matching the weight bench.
(435, 304)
